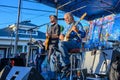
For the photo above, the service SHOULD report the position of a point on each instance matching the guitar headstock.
(82, 17)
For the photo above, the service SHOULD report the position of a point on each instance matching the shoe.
(65, 68)
(65, 74)
(68, 74)
(65, 71)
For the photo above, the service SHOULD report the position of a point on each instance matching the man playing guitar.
(70, 38)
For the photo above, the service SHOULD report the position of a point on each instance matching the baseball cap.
(53, 16)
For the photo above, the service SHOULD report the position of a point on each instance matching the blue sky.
(36, 12)
(38, 15)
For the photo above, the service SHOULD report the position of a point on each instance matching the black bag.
(114, 73)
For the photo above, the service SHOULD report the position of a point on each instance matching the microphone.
(60, 18)
(114, 41)
(115, 44)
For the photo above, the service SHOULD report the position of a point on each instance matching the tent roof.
(93, 8)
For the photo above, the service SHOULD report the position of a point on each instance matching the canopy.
(93, 8)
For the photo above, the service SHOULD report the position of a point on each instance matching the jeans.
(55, 60)
(64, 47)
(39, 62)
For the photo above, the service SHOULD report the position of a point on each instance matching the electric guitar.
(66, 38)
(47, 40)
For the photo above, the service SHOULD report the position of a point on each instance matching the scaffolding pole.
(17, 27)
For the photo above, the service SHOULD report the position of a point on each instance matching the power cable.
(27, 8)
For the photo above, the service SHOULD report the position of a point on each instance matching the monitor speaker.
(4, 72)
(24, 73)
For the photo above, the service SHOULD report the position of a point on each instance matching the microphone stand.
(29, 47)
(104, 55)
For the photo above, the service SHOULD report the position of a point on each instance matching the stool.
(75, 54)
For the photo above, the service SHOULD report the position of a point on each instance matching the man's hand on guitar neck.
(74, 28)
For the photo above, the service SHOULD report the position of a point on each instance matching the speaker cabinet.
(24, 73)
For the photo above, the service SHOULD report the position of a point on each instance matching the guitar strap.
(47, 28)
